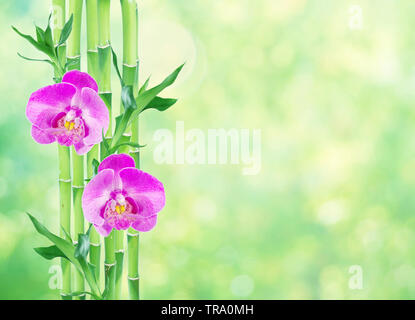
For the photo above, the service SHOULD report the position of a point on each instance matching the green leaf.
(48, 36)
(160, 104)
(68, 250)
(40, 35)
(66, 31)
(71, 63)
(39, 46)
(68, 236)
(127, 98)
(115, 63)
(63, 245)
(50, 253)
(147, 96)
(95, 166)
(144, 86)
(37, 60)
(105, 141)
(82, 248)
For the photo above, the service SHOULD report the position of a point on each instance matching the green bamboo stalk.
(77, 191)
(74, 54)
(104, 57)
(128, 8)
(64, 159)
(119, 257)
(92, 47)
(74, 40)
(130, 77)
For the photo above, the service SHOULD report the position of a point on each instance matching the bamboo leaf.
(37, 60)
(51, 252)
(105, 142)
(65, 246)
(40, 35)
(39, 46)
(144, 86)
(127, 97)
(95, 166)
(66, 234)
(48, 36)
(147, 96)
(160, 104)
(71, 63)
(82, 248)
(115, 63)
(66, 31)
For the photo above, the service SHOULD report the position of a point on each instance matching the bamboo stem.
(104, 57)
(74, 54)
(130, 77)
(92, 47)
(64, 159)
(77, 191)
(74, 40)
(65, 213)
(119, 257)
(128, 8)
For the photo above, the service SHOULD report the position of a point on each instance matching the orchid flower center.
(72, 125)
(119, 211)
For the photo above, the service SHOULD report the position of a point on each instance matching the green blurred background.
(336, 110)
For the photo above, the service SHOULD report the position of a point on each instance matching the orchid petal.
(146, 190)
(96, 194)
(47, 102)
(117, 162)
(80, 80)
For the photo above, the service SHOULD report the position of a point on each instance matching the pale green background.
(336, 189)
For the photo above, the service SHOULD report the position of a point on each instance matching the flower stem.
(92, 47)
(130, 77)
(104, 57)
(74, 54)
(64, 160)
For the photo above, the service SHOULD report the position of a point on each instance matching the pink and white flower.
(70, 112)
(121, 196)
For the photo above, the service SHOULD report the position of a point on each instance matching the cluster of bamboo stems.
(72, 171)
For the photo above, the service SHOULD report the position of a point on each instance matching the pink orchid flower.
(121, 196)
(70, 112)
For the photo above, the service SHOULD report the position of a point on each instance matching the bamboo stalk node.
(104, 46)
(129, 65)
(134, 279)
